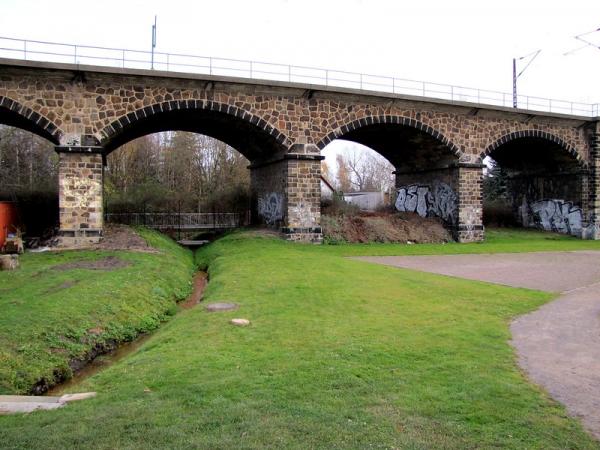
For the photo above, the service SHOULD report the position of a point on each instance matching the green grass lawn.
(340, 354)
(49, 315)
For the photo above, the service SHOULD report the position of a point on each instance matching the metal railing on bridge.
(208, 65)
(181, 221)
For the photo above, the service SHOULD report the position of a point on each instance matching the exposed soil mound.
(122, 237)
(397, 227)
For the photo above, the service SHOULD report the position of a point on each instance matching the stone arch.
(427, 165)
(545, 181)
(392, 120)
(15, 114)
(536, 134)
(120, 130)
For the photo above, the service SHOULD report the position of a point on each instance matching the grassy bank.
(340, 354)
(61, 306)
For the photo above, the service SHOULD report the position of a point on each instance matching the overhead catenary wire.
(587, 43)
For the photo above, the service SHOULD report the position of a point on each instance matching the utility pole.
(153, 42)
(514, 82)
(515, 75)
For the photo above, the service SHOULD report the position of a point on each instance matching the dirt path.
(559, 344)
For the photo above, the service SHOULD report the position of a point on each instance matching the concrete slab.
(545, 271)
(11, 404)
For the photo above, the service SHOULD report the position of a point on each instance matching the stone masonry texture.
(79, 108)
(80, 198)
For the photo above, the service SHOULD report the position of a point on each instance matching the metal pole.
(514, 82)
(515, 75)
(153, 42)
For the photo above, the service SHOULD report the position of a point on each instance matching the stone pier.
(80, 195)
(470, 203)
(286, 193)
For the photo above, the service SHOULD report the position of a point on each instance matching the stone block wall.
(80, 178)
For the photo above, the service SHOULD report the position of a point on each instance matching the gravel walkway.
(559, 344)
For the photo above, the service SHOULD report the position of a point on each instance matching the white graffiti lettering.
(270, 207)
(441, 201)
(552, 215)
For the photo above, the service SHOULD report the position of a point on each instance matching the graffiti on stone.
(440, 201)
(552, 215)
(270, 207)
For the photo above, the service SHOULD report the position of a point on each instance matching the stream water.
(101, 362)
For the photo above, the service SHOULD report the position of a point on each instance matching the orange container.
(8, 220)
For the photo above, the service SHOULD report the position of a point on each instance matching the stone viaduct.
(436, 146)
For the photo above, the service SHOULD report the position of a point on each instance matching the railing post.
(210, 65)
(478, 95)
(250, 69)
(393, 85)
(123, 56)
(361, 85)
(168, 61)
(550, 104)
(25, 50)
(75, 54)
(452, 93)
(423, 89)
(290, 73)
(326, 77)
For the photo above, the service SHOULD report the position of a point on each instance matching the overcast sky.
(469, 43)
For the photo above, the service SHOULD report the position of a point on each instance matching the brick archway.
(392, 120)
(536, 134)
(15, 114)
(116, 130)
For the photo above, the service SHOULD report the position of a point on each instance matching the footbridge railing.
(209, 65)
(181, 221)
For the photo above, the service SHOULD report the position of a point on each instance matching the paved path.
(559, 344)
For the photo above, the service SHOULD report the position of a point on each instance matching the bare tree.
(364, 171)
